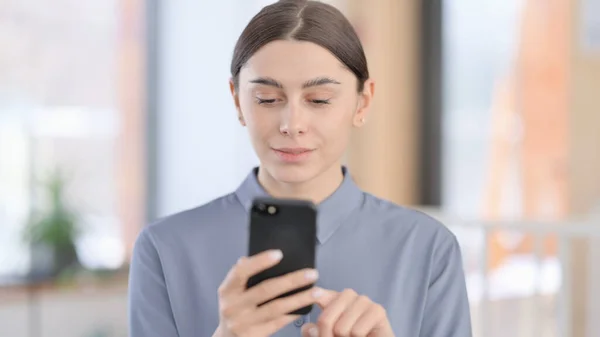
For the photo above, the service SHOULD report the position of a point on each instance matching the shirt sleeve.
(150, 313)
(447, 312)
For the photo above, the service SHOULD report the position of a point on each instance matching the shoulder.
(187, 223)
(408, 221)
(411, 230)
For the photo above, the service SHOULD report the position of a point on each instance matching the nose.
(293, 121)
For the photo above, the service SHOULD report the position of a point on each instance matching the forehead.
(294, 62)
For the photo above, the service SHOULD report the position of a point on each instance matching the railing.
(564, 233)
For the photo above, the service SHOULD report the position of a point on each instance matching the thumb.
(310, 330)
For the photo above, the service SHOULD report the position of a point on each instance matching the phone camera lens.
(262, 207)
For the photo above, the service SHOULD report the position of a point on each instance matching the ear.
(365, 99)
(236, 102)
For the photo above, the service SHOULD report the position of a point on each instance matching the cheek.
(248, 109)
(341, 118)
(260, 124)
(336, 129)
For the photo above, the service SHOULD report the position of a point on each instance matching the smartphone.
(288, 225)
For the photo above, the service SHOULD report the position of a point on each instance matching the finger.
(236, 279)
(310, 330)
(281, 306)
(327, 297)
(332, 312)
(272, 288)
(344, 325)
(271, 327)
(369, 321)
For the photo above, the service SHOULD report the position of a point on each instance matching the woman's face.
(299, 103)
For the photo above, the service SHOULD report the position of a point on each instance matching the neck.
(315, 190)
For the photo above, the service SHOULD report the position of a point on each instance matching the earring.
(362, 120)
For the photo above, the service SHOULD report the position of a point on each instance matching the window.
(70, 100)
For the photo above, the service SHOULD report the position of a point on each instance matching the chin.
(292, 174)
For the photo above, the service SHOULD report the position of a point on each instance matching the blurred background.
(116, 112)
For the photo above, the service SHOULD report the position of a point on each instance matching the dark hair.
(310, 21)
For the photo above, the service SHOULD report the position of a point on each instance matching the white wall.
(203, 151)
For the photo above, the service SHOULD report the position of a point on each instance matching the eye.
(320, 101)
(265, 101)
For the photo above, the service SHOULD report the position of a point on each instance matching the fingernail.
(276, 255)
(317, 293)
(313, 332)
(311, 275)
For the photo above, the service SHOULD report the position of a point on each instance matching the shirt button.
(299, 322)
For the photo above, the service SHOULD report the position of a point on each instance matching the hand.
(239, 311)
(348, 314)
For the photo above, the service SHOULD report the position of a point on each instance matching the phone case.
(291, 228)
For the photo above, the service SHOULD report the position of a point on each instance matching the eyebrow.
(267, 81)
(315, 82)
(310, 83)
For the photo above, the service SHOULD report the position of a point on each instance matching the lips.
(293, 150)
(293, 155)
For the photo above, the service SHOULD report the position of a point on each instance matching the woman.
(300, 84)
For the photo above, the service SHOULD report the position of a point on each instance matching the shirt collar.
(332, 211)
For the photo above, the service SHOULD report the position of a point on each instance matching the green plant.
(55, 226)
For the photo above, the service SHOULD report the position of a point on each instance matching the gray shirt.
(399, 258)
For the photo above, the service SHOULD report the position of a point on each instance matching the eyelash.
(265, 101)
(271, 101)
